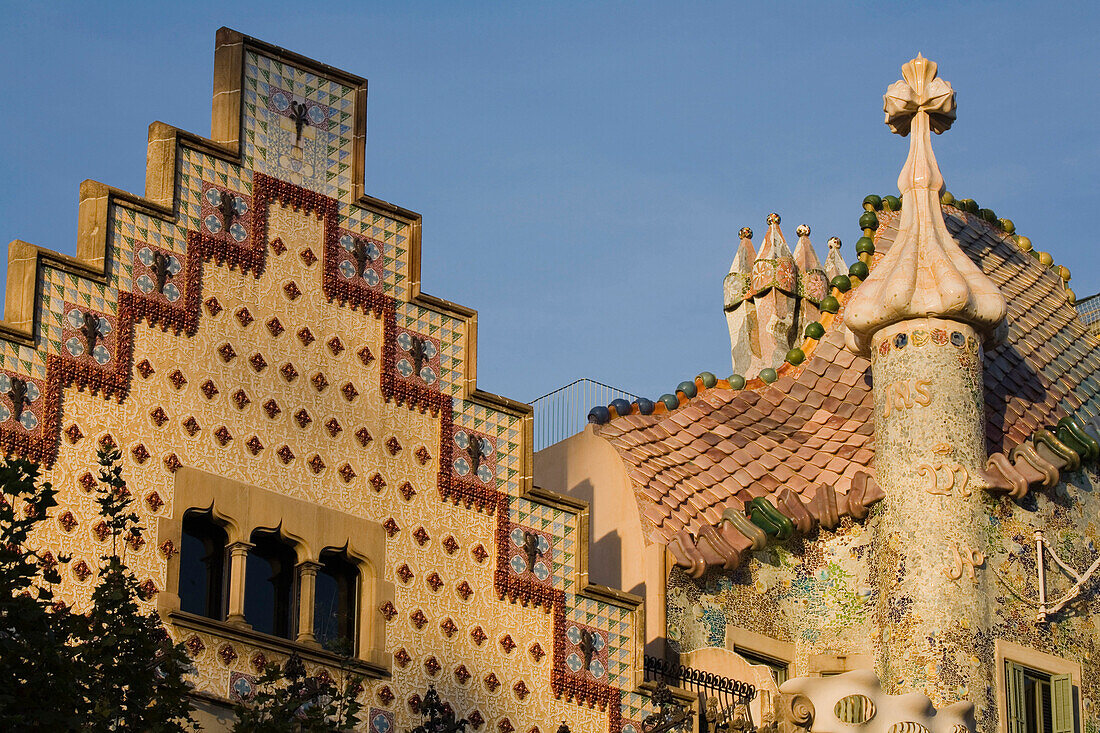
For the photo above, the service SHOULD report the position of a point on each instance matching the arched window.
(334, 612)
(269, 585)
(202, 566)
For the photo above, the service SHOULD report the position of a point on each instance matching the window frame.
(764, 649)
(272, 546)
(1024, 658)
(338, 556)
(311, 528)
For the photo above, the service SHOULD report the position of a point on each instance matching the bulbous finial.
(803, 230)
(773, 218)
(745, 233)
(834, 242)
(925, 274)
(919, 90)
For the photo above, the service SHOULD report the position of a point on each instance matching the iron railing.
(726, 690)
(564, 412)
(1089, 310)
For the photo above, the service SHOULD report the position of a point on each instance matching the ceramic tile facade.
(338, 416)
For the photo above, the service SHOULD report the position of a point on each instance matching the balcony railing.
(564, 412)
(726, 690)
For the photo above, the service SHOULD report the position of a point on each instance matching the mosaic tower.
(922, 317)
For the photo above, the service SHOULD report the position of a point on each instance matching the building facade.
(319, 471)
(897, 477)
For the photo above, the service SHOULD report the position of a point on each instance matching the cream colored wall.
(586, 467)
(727, 663)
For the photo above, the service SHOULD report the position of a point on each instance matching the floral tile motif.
(167, 285)
(417, 358)
(358, 260)
(586, 651)
(381, 721)
(226, 215)
(89, 337)
(544, 535)
(298, 125)
(29, 417)
(242, 687)
(530, 552)
(503, 431)
(474, 457)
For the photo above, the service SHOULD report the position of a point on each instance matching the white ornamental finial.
(925, 274)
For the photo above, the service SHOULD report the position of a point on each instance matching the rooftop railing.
(564, 412)
(1089, 309)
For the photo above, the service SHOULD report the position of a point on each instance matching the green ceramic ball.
(841, 283)
(868, 220)
(815, 330)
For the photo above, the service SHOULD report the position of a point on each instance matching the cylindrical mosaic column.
(929, 549)
(922, 316)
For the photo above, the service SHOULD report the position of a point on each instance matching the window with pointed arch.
(203, 573)
(335, 624)
(270, 588)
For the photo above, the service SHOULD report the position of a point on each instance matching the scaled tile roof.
(812, 429)
(1048, 366)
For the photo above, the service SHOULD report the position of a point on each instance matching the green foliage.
(35, 635)
(131, 671)
(289, 701)
(114, 668)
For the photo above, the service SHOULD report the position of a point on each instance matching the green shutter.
(1061, 698)
(1014, 694)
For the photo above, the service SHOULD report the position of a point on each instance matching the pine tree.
(132, 673)
(39, 684)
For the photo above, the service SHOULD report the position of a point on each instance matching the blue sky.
(583, 168)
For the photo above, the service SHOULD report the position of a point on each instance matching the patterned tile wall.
(267, 335)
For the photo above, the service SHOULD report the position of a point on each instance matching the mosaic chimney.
(769, 296)
(740, 309)
(811, 282)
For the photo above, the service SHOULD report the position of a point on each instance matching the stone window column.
(307, 585)
(238, 561)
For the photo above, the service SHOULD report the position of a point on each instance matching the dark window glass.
(1037, 704)
(334, 612)
(269, 585)
(779, 668)
(202, 566)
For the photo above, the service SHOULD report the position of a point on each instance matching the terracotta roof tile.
(812, 430)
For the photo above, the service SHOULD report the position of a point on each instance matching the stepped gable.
(811, 431)
(255, 314)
